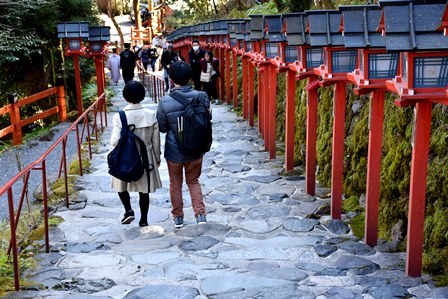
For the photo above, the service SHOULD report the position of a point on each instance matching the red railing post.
(12, 227)
(235, 79)
(15, 121)
(62, 104)
(78, 85)
(311, 135)
(374, 166)
(222, 68)
(290, 119)
(337, 159)
(244, 77)
(272, 111)
(251, 95)
(228, 86)
(417, 194)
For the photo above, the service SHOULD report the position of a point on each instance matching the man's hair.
(134, 92)
(195, 41)
(180, 72)
(114, 50)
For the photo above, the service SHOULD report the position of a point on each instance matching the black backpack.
(127, 59)
(194, 126)
(125, 161)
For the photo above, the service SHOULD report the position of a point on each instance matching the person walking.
(144, 57)
(147, 128)
(169, 111)
(113, 64)
(209, 75)
(153, 55)
(127, 63)
(195, 55)
(169, 56)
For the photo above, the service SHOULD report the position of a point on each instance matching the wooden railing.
(155, 85)
(89, 121)
(17, 123)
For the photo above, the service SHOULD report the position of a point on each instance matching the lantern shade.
(99, 33)
(274, 28)
(291, 53)
(360, 24)
(313, 57)
(73, 30)
(272, 50)
(96, 47)
(256, 27)
(382, 65)
(412, 25)
(324, 27)
(295, 24)
(430, 72)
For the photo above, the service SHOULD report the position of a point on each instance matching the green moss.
(357, 225)
(55, 220)
(351, 204)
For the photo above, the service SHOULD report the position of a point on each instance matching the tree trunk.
(111, 15)
(214, 6)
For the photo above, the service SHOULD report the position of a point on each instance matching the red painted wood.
(337, 160)
(245, 85)
(227, 67)
(290, 119)
(272, 111)
(251, 93)
(374, 166)
(78, 84)
(419, 169)
(311, 135)
(235, 79)
(260, 99)
(265, 106)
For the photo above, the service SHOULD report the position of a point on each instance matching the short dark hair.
(195, 41)
(180, 72)
(134, 92)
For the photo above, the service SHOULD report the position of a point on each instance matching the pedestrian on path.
(127, 63)
(113, 64)
(168, 113)
(194, 56)
(209, 75)
(169, 56)
(147, 128)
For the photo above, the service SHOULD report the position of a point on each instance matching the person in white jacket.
(147, 128)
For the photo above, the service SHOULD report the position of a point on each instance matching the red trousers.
(192, 172)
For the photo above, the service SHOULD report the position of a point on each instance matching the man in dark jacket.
(168, 112)
(169, 56)
(127, 63)
(195, 55)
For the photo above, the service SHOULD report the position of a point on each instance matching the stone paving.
(265, 238)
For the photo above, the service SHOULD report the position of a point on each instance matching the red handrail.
(40, 164)
(154, 84)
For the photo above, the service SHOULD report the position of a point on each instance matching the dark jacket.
(168, 111)
(215, 65)
(168, 58)
(194, 59)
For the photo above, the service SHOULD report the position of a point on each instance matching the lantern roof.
(295, 26)
(256, 27)
(99, 33)
(273, 28)
(324, 27)
(411, 25)
(360, 26)
(73, 29)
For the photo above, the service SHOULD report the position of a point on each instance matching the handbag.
(205, 77)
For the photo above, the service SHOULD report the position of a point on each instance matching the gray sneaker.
(178, 221)
(201, 219)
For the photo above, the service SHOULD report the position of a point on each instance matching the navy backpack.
(125, 161)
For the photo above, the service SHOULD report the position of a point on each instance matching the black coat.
(168, 111)
(195, 59)
(169, 58)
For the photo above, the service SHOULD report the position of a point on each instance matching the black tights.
(143, 202)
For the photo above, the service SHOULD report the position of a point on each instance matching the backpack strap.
(124, 121)
(143, 151)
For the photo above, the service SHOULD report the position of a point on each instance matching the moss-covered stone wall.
(396, 161)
